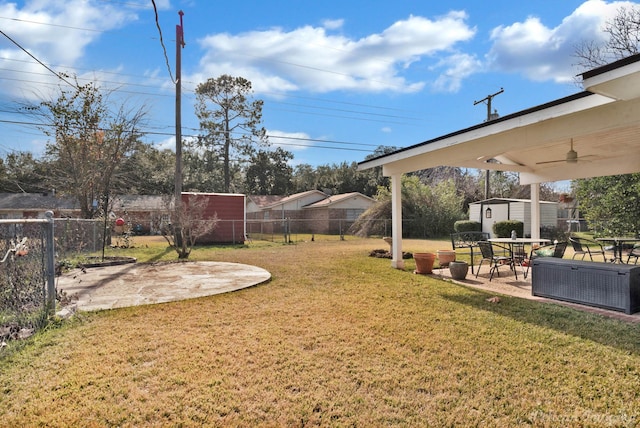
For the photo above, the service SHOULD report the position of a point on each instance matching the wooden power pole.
(490, 116)
(179, 46)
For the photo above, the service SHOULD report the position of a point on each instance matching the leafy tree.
(611, 205)
(371, 179)
(149, 171)
(202, 169)
(230, 120)
(304, 178)
(90, 144)
(269, 173)
(340, 178)
(621, 39)
(21, 172)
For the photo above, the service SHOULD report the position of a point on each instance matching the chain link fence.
(27, 277)
(297, 230)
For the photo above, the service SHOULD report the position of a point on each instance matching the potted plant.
(445, 257)
(458, 269)
(424, 262)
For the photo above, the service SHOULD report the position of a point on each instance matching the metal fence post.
(50, 267)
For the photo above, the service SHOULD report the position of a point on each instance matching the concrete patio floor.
(133, 284)
(507, 284)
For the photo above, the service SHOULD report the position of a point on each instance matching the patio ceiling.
(602, 123)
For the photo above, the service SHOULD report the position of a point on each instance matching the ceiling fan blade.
(553, 161)
(574, 160)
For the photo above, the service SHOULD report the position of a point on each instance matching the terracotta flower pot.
(445, 257)
(424, 262)
(458, 270)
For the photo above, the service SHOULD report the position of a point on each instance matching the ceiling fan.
(570, 157)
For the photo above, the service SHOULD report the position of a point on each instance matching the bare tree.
(90, 143)
(187, 224)
(622, 39)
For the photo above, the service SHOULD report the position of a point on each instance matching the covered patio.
(592, 133)
(507, 284)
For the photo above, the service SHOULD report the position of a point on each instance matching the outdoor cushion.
(547, 252)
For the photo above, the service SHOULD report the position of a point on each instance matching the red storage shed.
(230, 210)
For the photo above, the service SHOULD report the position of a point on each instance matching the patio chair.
(468, 240)
(586, 247)
(495, 261)
(635, 252)
(519, 256)
(556, 250)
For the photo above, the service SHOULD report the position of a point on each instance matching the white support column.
(396, 221)
(535, 210)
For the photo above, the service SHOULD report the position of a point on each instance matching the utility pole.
(490, 117)
(177, 203)
(179, 46)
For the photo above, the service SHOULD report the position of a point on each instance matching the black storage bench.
(603, 285)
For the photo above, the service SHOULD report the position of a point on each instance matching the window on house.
(352, 214)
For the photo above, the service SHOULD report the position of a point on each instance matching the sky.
(338, 78)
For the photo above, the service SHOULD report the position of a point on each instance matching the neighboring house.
(287, 207)
(255, 204)
(335, 214)
(142, 214)
(35, 205)
(500, 209)
(307, 212)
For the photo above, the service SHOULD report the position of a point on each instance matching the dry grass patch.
(338, 339)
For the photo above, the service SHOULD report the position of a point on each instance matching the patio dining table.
(618, 246)
(511, 241)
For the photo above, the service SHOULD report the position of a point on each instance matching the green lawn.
(337, 338)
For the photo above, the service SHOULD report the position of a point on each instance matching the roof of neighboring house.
(264, 200)
(294, 197)
(337, 198)
(501, 200)
(139, 202)
(35, 201)
(39, 201)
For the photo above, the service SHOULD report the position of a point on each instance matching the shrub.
(467, 226)
(553, 233)
(502, 229)
(427, 211)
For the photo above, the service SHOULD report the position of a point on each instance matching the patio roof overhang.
(603, 122)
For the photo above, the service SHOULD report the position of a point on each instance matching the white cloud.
(290, 141)
(547, 53)
(457, 67)
(333, 24)
(168, 143)
(310, 58)
(58, 41)
(386, 129)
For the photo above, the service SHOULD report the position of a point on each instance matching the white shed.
(489, 211)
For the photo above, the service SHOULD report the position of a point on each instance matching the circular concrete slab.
(144, 284)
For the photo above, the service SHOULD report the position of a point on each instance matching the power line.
(53, 25)
(36, 59)
(164, 48)
(271, 101)
(255, 56)
(169, 134)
